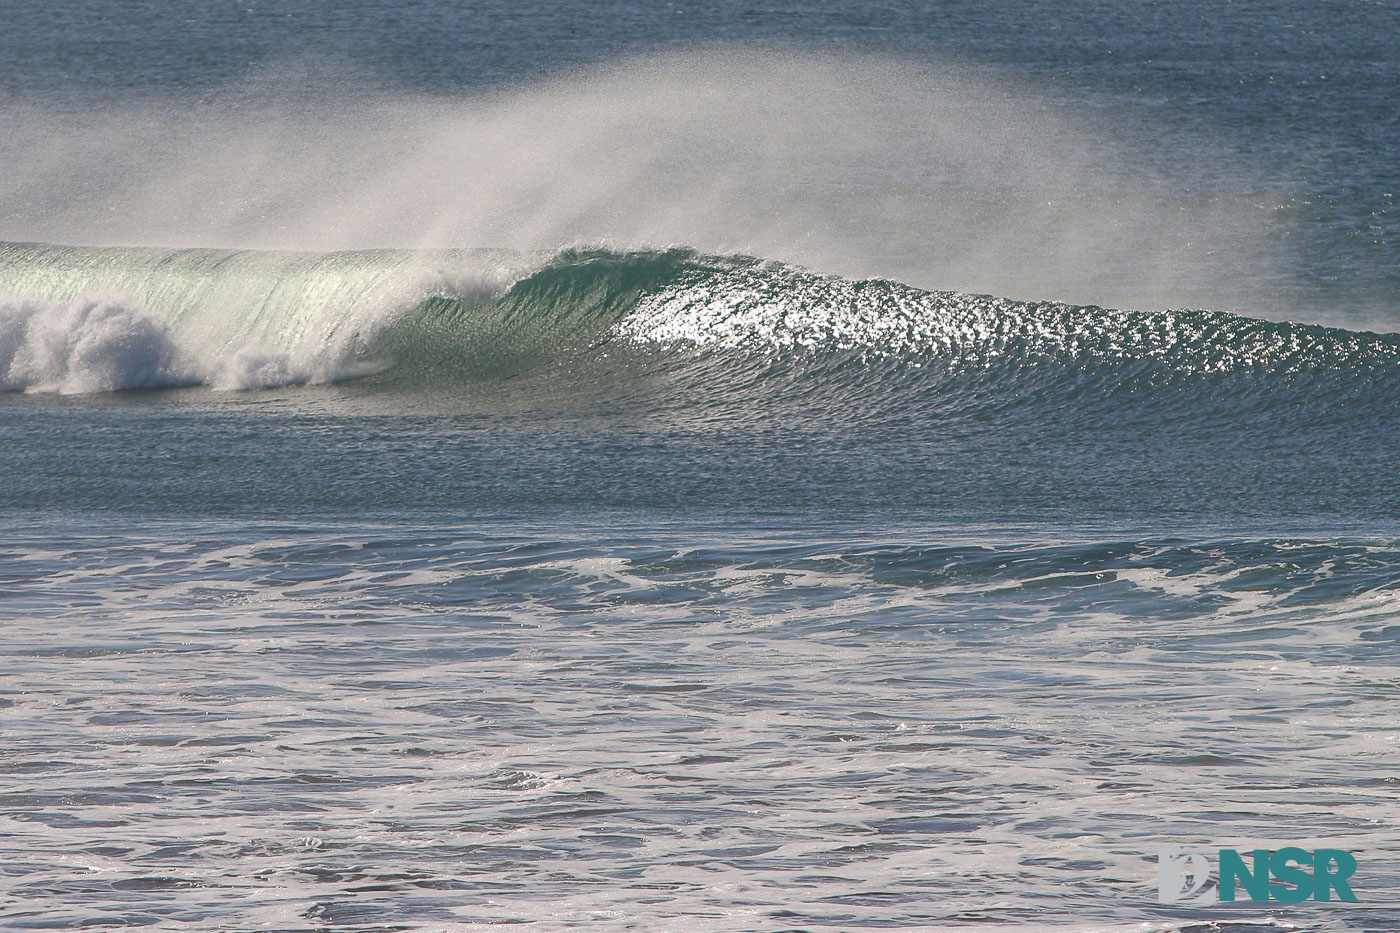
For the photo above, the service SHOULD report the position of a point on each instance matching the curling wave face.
(87, 319)
(228, 318)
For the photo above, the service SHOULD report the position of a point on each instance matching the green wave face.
(572, 304)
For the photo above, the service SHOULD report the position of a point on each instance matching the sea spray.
(857, 165)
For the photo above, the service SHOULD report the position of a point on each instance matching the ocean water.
(709, 466)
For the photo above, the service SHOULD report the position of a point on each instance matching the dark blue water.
(712, 466)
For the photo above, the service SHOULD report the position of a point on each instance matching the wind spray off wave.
(857, 165)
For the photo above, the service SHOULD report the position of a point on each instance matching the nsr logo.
(1183, 875)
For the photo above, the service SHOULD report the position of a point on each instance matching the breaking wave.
(92, 319)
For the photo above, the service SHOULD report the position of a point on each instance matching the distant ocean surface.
(711, 467)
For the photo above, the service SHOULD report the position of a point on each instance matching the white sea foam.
(476, 727)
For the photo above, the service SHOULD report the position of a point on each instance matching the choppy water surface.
(354, 728)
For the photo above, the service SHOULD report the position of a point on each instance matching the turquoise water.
(718, 468)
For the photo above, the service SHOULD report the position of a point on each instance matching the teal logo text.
(1290, 875)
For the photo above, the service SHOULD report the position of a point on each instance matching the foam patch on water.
(459, 729)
